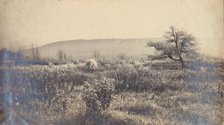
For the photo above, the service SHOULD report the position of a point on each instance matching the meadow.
(145, 93)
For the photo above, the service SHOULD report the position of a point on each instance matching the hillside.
(106, 47)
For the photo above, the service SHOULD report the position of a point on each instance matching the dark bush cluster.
(97, 94)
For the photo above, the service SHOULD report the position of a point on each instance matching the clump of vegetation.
(91, 65)
(97, 94)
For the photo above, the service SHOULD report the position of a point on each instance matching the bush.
(97, 94)
(91, 65)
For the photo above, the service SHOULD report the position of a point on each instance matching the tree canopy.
(176, 45)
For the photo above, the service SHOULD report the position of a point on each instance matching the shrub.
(50, 64)
(97, 94)
(91, 65)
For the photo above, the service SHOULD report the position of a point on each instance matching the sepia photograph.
(111, 62)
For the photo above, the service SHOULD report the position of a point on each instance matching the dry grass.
(146, 93)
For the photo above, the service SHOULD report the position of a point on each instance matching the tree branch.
(173, 58)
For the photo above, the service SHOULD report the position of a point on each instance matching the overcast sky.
(38, 22)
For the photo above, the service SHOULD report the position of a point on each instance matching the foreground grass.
(146, 94)
(141, 109)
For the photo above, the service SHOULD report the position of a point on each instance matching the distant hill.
(106, 47)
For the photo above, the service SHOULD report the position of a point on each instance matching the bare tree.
(177, 45)
(96, 54)
(61, 55)
(35, 53)
(19, 53)
(65, 56)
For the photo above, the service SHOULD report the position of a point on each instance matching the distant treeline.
(10, 58)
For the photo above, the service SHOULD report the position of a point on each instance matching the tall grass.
(145, 92)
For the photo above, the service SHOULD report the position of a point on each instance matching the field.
(145, 93)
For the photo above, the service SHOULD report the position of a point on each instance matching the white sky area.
(38, 22)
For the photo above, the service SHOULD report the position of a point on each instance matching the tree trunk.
(182, 62)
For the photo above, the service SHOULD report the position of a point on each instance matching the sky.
(39, 22)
